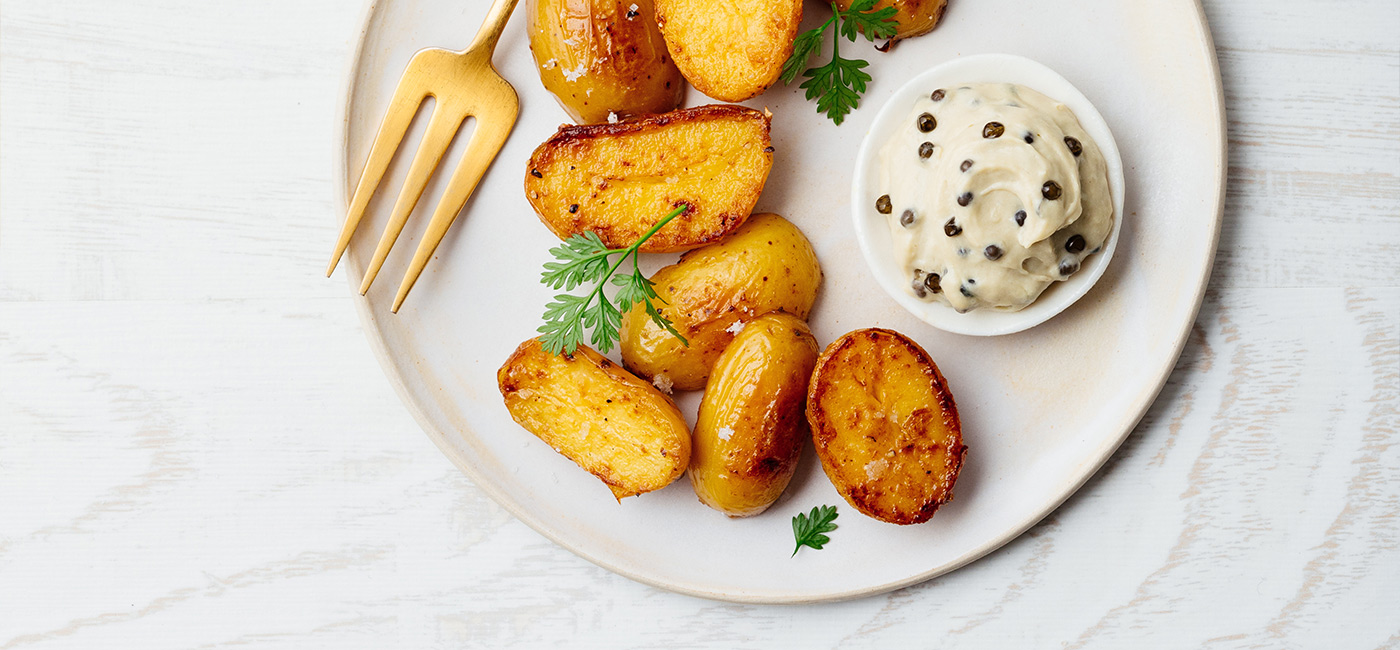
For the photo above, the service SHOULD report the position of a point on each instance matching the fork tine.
(407, 98)
(441, 128)
(486, 142)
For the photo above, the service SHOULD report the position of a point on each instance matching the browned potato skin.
(730, 50)
(878, 401)
(757, 393)
(618, 180)
(767, 265)
(614, 425)
(915, 17)
(601, 57)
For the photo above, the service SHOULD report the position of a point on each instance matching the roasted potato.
(766, 265)
(618, 180)
(614, 425)
(730, 50)
(751, 425)
(915, 17)
(603, 58)
(885, 426)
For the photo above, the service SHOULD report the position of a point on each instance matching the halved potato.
(730, 50)
(618, 180)
(885, 426)
(751, 424)
(614, 425)
(767, 265)
(915, 17)
(603, 58)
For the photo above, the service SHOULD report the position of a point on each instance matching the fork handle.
(495, 23)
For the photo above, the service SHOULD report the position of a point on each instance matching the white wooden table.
(198, 449)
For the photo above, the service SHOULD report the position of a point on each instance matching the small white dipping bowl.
(872, 228)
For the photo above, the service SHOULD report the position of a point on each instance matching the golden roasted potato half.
(885, 426)
(614, 425)
(751, 425)
(618, 180)
(915, 17)
(766, 265)
(730, 50)
(603, 58)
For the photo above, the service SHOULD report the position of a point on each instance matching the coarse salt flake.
(737, 327)
(724, 433)
(876, 468)
(573, 75)
(662, 382)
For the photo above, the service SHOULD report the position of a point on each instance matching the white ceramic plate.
(873, 231)
(1041, 410)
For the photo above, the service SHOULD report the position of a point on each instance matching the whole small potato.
(603, 58)
(614, 425)
(885, 426)
(751, 425)
(915, 17)
(767, 265)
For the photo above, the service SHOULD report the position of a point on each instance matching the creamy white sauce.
(985, 258)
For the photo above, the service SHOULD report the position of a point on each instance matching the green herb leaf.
(584, 258)
(803, 48)
(838, 85)
(873, 24)
(808, 528)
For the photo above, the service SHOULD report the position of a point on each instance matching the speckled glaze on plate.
(1041, 409)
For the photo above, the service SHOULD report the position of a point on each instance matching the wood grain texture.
(197, 448)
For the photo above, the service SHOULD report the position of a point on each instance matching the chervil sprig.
(838, 85)
(809, 528)
(584, 258)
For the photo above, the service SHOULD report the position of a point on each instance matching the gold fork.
(463, 84)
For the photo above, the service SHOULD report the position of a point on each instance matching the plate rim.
(340, 189)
